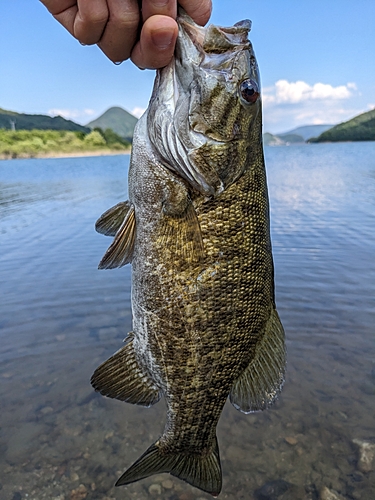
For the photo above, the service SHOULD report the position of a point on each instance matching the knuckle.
(93, 17)
(125, 18)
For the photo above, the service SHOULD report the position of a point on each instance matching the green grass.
(32, 143)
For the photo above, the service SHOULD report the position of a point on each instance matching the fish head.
(204, 117)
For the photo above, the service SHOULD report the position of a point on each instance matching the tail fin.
(201, 471)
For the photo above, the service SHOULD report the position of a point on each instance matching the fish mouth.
(205, 47)
(214, 38)
(196, 43)
(186, 110)
(194, 48)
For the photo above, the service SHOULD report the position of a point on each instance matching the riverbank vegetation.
(36, 143)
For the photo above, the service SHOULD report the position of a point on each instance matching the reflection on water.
(60, 318)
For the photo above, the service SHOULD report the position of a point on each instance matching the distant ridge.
(359, 128)
(119, 120)
(22, 121)
(308, 131)
(295, 136)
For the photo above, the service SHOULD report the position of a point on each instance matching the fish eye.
(249, 91)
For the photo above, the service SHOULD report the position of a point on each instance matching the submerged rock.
(80, 493)
(272, 490)
(167, 484)
(155, 489)
(327, 494)
(291, 440)
(366, 462)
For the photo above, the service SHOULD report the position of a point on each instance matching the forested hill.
(359, 128)
(20, 121)
(118, 119)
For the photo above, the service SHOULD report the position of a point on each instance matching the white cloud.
(352, 85)
(71, 114)
(138, 112)
(295, 92)
(281, 118)
(292, 104)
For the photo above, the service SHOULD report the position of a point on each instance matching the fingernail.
(162, 38)
(118, 62)
(83, 44)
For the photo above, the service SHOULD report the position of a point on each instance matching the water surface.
(60, 317)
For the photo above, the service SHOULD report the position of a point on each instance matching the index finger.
(198, 10)
(84, 19)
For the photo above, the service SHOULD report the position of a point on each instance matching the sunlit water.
(60, 317)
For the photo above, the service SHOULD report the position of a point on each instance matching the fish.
(196, 230)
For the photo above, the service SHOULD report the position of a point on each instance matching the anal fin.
(120, 377)
(110, 222)
(121, 250)
(260, 383)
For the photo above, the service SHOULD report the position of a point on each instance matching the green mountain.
(119, 120)
(359, 128)
(307, 131)
(22, 121)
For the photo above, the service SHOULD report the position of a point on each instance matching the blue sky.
(316, 61)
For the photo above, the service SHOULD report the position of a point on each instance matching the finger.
(159, 7)
(90, 21)
(198, 10)
(64, 11)
(57, 6)
(156, 45)
(121, 30)
(84, 19)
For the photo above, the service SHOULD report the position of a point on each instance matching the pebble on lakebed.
(327, 494)
(80, 493)
(366, 461)
(155, 489)
(291, 440)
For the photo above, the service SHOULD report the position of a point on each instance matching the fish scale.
(196, 230)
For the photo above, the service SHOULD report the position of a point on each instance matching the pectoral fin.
(122, 378)
(121, 250)
(110, 222)
(260, 383)
(182, 236)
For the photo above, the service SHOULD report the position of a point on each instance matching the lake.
(60, 318)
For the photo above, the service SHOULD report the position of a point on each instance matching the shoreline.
(77, 154)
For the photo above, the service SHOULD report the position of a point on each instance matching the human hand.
(114, 25)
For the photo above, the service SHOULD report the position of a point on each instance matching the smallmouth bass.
(196, 230)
